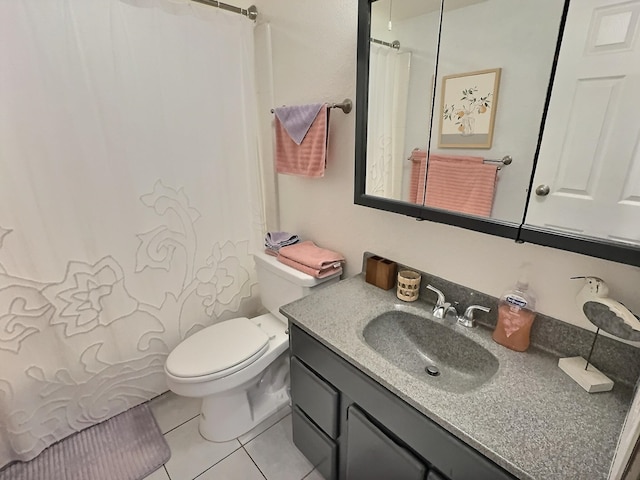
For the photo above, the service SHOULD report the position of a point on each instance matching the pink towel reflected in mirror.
(462, 184)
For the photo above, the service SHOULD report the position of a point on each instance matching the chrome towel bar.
(346, 105)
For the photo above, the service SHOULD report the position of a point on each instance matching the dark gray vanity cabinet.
(372, 454)
(352, 428)
(315, 418)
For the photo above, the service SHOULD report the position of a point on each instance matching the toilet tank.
(281, 284)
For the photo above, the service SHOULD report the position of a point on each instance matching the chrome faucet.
(443, 309)
(467, 319)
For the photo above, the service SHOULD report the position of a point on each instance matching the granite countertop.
(530, 417)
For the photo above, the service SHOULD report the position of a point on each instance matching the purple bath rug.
(129, 446)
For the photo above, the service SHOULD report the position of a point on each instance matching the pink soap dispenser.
(516, 313)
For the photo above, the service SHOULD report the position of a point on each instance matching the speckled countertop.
(530, 417)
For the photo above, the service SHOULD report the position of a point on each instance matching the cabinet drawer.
(319, 449)
(315, 397)
(371, 454)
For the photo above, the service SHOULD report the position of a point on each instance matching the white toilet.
(240, 367)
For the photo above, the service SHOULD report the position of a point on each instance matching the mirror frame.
(491, 226)
(520, 232)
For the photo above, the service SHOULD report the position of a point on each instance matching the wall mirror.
(447, 90)
(489, 101)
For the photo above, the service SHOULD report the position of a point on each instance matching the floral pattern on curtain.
(129, 203)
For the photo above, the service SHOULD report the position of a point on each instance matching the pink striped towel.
(311, 259)
(461, 183)
(310, 157)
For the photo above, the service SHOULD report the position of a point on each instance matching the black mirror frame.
(520, 232)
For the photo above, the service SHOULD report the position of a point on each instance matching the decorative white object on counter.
(585, 374)
(606, 314)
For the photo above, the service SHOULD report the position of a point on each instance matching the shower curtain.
(388, 96)
(129, 202)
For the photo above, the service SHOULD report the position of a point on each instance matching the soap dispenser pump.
(516, 313)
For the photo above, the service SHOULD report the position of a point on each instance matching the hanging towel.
(418, 172)
(298, 120)
(461, 183)
(310, 157)
(309, 258)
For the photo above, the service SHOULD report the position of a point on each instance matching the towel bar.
(346, 105)
(506, 160)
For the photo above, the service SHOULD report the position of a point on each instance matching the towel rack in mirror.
(346, 105)
(506, 160)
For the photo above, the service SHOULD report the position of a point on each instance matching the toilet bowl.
(240, 367)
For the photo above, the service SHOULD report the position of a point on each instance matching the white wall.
(314, 59)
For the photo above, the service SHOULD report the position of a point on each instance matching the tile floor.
(265, 453)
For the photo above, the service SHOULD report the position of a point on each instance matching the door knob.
(543, 190)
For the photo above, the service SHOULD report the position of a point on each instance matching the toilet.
(240, 367)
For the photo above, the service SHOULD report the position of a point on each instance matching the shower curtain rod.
(251, 12)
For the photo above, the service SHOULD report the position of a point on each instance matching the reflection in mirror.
(400, 84)
(487, 47)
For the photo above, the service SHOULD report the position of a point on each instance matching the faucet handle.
(467, 319)
(441, 301)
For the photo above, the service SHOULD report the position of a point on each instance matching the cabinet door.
(589, 157)
(372, 455)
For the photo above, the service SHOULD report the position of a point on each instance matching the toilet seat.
(217, 351)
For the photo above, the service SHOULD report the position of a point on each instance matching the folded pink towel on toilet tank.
(309, 255)
(314, 272)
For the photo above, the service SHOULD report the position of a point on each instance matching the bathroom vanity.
(362, 411)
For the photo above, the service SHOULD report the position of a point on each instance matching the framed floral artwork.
(468, 109)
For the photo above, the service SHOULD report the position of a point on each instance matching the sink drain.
(432, 370)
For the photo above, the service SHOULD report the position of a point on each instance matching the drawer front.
(319, 449)
(315, 397)
(372, 455)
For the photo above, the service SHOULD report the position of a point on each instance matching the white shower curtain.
(129, 201)
(386, 124)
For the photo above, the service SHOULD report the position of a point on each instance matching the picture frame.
(468, 109)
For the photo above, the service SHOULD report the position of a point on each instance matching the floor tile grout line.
(307, 475)
(265, 430)
(224, 458)
(178, 426)
(240, 446)
(246, 443)
(253, 461)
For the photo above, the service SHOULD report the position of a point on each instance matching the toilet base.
(228, 415)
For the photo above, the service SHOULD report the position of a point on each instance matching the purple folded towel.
(276, 240)
(298, 119)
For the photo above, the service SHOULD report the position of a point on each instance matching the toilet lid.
(217, 348)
